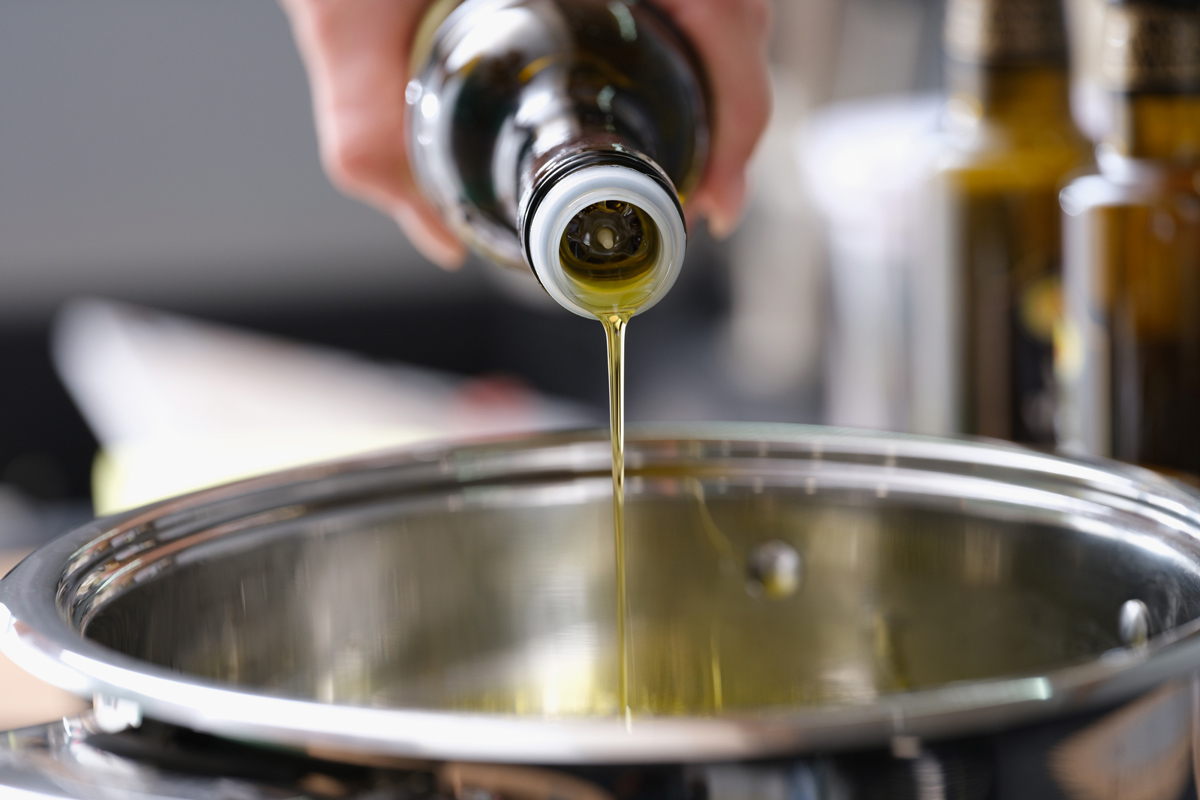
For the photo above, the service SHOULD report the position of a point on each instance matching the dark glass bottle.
(561, 135)
(985, 317)
(1129, 354)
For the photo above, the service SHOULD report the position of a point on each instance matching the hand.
(356, 53)
(731, 37)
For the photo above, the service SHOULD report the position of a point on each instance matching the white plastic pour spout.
(580, 189)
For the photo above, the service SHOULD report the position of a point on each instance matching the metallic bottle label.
(1150, 48)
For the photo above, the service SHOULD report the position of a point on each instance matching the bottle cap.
(1005, 31)
(582, 188)
(1151, 47)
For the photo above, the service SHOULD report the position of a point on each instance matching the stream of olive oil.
(611, 250)
(614, 330)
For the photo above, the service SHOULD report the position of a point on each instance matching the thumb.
(722, 200)
(430, 236)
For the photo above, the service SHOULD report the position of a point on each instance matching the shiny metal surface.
(72, 759)
(456, 603)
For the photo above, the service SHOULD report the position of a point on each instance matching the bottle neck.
(1007, 63)
(554, 153)
(1149, 63)
(602, 227)
(1163, 128)
(1016, 94)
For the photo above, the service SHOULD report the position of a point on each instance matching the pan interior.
(501, 598)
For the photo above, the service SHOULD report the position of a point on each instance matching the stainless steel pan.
(456, 603)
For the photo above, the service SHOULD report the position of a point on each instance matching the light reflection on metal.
(1134, 623)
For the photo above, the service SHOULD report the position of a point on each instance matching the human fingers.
(424, 228)
(356, 55)
(731, 38)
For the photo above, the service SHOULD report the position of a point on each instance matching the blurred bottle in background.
(1129, 348)
(984, 305)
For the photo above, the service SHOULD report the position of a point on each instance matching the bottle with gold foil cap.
(1128, 355)
(1005, 32)
(561, 136)
(1150, 62)
(985, 305)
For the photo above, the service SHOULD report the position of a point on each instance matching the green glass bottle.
(562, 136)
(985, 316)
(1129, 349)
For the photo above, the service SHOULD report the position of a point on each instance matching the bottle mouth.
(606, 239)
(610, 243)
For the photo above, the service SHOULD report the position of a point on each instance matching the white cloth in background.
(179, 404)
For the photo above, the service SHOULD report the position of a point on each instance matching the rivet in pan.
(775, 569)
(1133, 623)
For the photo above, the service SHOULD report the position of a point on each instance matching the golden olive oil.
(609, 251)
(614, 330)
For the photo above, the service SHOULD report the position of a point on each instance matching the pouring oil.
(562, 142)
(609, 252)
(614, 331)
